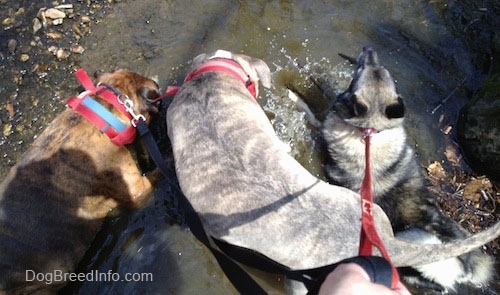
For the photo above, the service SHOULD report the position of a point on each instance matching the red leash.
(369, 236)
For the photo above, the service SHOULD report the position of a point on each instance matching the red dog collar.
(217, 64)
(227, 66)
(119, 133)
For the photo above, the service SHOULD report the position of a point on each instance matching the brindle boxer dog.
(250, 192)
(53, 201)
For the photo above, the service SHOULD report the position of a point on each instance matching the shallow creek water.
(298, 40)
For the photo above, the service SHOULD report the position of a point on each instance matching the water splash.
(315, 82)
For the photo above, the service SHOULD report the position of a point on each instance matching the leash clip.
(129, 107)
(124, 100)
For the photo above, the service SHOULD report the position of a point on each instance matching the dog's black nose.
(368, 57)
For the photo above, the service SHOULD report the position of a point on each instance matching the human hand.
(350, 278)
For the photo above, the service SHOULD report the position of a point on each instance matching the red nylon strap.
(227, 66)
(102, 91)
(224, 65)
(85, 80)
(76, 105)
(127, 136)
(369, 236)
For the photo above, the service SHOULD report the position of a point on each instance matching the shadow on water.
(416, 41)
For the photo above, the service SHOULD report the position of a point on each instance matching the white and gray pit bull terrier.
(250, 192)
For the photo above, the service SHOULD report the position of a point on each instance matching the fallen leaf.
(473, 188)
(435, 170)
(452, 155)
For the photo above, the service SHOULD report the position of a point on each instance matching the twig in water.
(350, 59)
(442, 102)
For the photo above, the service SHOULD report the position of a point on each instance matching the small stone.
(41, 16)
(54, 14)
(64, 6)
(10, 109)
(54, 35)
(7, 129)
(57, 22)
(18, 79)
(24, 57)
(20, 11)
(78, 49)
(37, 25)
(8, 21)
(62, 54)
(20, 129)
(85, 19)
(53, 49)
(12, 45)
(77, 30)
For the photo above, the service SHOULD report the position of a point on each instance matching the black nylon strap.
(240, 279)
(153, 149)
(378, 268)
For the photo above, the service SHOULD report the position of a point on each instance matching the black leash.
(240, 279)
(378, 268)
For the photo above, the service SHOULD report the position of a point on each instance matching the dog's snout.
(368, 49)
(368, 57)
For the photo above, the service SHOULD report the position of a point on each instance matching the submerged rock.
(479, 129)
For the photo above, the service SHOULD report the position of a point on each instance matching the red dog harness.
(369, 236)
(218, 64)
(119, 133)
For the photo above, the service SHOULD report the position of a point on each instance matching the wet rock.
(78, 49)
(7, 130)
(85, 19)
(53, 13)
(57, 22)
(64, 6)
(8, 21)
(37, 25)
(12, 45)
(51, 16)
(54, 35)
(24, 57)
(53, 49)
(479, 129)
(62, 54)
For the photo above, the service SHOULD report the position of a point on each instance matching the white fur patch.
(444, 272)
(222, 54)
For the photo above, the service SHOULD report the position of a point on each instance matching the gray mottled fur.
(250, 192)
(398, 183)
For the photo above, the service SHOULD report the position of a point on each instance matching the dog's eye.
(148, 94)
(396, 110)
(358, 109)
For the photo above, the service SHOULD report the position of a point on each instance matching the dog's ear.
(263, 72)
(197, 61)
(149, 94)
(257, 69)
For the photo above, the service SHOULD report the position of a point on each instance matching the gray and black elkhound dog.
(372, 103)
